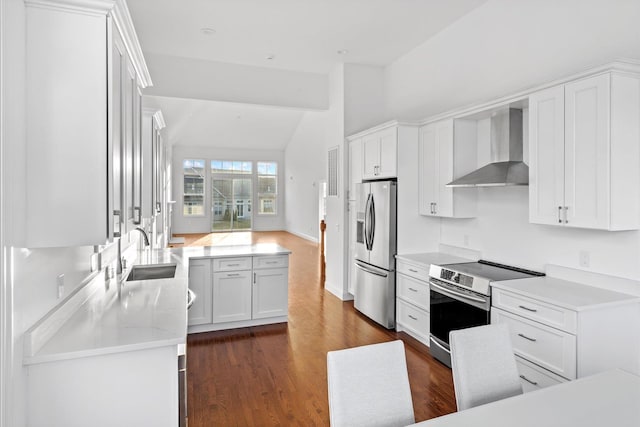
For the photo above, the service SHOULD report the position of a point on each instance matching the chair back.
(369, 386)
(483, 364)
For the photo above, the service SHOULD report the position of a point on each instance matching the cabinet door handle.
(435, 208)
(412, 270)
(413, 317)
(566, 208)
(117, 224)
(533, 310)
(137, 215)
(414, 290)
(528, 380)
(527, 338)
(560, 214)
(254, 278)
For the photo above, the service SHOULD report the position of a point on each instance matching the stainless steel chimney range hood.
(507, 167)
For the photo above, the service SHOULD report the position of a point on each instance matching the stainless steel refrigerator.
(375, 281)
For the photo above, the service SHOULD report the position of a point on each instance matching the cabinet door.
(370, 156)
(270, 293)
(587, 156)
(128, 155)
(231, 296)
(444, 156)
(428, 169)
(387, 164)
(200, 282)
(118, 79)
(355, 166)
(546, 156)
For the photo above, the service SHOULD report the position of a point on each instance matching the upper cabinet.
(447, 150)
(84, 74)
(379, 154)
(584, 153)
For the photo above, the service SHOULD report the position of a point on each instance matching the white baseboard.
(338, 291)
(304, 236)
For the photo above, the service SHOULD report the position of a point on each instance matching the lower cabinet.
(235, 292)
(412, 300)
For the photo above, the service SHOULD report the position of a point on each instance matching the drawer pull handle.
(412, 270)
(527, 338)
(414, 290)
(271, 262)
(528, 380)
(533, 310)
(233, 265)
(413, 317)
(233, 274)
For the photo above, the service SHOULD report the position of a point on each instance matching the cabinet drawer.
(548, 347)
(413, 319)
(231, 264)
(413, 270)
(534, 377)
(413, 291)
(275, 261)
(539, 311)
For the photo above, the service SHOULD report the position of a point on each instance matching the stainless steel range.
(461, 298)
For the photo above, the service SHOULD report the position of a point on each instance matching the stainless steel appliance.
(461, 298)
(375, 281)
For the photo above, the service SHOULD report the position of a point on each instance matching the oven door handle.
(440, 345)
(458, 294)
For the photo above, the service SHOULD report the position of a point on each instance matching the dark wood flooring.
(276, 375)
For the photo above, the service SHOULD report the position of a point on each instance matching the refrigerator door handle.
(367, 223)
(372, 232)
(365, 269)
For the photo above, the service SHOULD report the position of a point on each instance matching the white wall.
(364, 98)
(193, 224)
(199, 79)
(505, 46)
(305, 161)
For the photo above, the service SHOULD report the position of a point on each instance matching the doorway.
(231, 196)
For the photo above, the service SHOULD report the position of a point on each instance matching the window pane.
(267, 187)
(267, 184)
(193, 187)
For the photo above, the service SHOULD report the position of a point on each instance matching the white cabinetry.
(200, 283)
(379, 154)
(447, 151)
(238, 291)
(562, 330)
(584, 153)
(84, 66)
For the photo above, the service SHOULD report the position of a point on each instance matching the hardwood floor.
(276, 375)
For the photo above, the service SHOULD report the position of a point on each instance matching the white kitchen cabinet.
(270, 292)
(584, 153)
(242, 291)
(379, 154)
(447, 150)
(231, 296)
(563, 330)
(200, 282)
(72, 80)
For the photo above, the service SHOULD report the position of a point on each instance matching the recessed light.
(342, 52)
(207, 31)
(271, 56)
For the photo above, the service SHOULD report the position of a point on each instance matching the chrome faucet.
(144, 235)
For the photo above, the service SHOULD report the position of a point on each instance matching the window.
(267, 187)
(193, 202)
(231, 188)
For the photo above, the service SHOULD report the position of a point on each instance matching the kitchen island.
(109, 353)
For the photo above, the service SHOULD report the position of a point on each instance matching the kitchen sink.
(152, 271)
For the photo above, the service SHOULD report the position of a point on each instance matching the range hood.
(507, 167)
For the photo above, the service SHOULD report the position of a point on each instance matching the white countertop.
(429, 258)
(144, 314)
(570, 295)
(607, 399)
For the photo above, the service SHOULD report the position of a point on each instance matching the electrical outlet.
(585, 260)
(60, 283)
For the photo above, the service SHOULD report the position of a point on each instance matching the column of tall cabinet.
(84, 71)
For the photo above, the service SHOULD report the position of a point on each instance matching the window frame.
(204, 189)
(259, 194)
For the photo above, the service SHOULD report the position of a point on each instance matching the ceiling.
(196, 122)
(298, 35)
